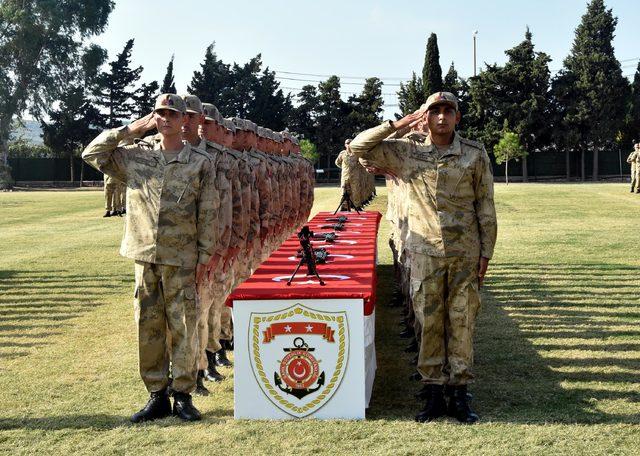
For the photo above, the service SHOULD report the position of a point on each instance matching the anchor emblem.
(299, 370)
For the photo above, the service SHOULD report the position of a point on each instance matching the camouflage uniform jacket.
(224, 175)
(450, 204)
(172, 206)
(263, 182)
(244, 187)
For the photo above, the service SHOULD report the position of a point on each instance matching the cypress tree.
(431, 71)
(168, 83)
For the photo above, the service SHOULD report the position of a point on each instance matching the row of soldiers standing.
(208, 199)
(634, 160)
(115, 197)
(358, 185)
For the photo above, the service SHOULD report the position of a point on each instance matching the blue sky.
(351, 38)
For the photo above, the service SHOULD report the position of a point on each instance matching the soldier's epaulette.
(215, 146)
(234, 153)
(197, 150)
(468, 142)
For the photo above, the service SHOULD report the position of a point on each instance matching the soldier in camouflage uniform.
(451, 236)
(632, 159)
(173, 205)
(110, 190)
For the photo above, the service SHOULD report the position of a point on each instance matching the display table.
(307, 350)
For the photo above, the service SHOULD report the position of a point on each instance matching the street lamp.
(475, 34)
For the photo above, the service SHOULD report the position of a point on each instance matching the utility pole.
(475, 34)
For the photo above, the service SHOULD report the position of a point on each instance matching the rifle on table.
(308, 257)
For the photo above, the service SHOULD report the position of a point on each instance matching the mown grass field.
(557, 352)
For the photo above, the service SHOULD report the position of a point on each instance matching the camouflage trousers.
(212, 296)
(446, 302)
(111, 195)
(635, 178)
(216, 312)
(165, 304)
(121, 197)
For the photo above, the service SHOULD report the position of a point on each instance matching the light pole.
(475, 34)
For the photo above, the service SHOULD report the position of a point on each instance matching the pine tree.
(632, 130)
(459, 87)
(367, 107)
(145, 98)
(168, 83)
(431, 71)
(212, 83)
(114, 90)
(302, 119)
(268, 105)
(410, 96)
(333, 127)
(592, 79)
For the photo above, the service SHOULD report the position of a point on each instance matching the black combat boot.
(227, 344)
(221, 358)
(459, 406)
(415, 376)
(435, 406)
(201, 390)
(448, 393)
(414, 360)
(159, 406)
(212, 374)
(107, 214)
(183, 407)
(407, 333)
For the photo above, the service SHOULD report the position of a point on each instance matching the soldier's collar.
(455, 148)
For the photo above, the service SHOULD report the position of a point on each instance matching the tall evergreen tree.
(632, 130)
(332, 123)
(168, 83)
(410, 96)
(213, 82)
(459, 87)
(431, 70)
(593, 77)
(269, 106)
(367, 107)
(302, 119)
(114, 90)
(145, 98)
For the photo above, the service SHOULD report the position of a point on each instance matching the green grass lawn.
(557, 347)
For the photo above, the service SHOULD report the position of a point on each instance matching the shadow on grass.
(551, 350)
(35, 305)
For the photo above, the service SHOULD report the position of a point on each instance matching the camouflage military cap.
(294, 139)
(239, 123)
(261, 131)
(251, 126)
(286, 136)
(229, 125)
(277, 137)
(269, 134)
(193, 103)
(170, 101)
(211, 112)
(441, 98)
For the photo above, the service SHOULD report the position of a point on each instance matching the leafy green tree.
(367, 107)
(309, 150)
(431, 70)
(632, 123)
(410, 96)
(22, 148)
(589, 84)
(40, 47)
(168, 83)
(114, 90)
(508, 148)
(460, 88)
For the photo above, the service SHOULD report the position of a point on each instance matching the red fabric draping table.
(350, 271)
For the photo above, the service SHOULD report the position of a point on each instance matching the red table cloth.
(350, 271)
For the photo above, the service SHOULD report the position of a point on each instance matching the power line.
(317, 82)
(341, 77)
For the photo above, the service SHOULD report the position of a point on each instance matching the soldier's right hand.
(142, 125)
(410, 120)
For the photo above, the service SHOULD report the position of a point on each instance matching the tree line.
(49, 68)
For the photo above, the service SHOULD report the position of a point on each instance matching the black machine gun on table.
(346, 199)
(308, 256)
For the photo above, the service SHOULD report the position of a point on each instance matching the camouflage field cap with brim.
(239, 123)
(211, 112)
(251, 126)
(170, 101)
(229, 125)
(439, 98)
(277, 137)
(193, 103)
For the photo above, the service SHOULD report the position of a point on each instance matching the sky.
(351, 39)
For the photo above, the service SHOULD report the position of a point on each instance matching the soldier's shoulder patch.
(139, 142)
(469, 142)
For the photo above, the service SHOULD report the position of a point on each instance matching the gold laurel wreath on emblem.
(334, 379)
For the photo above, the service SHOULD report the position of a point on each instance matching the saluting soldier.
(172, 205)
(631, 159)
(452, 232)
